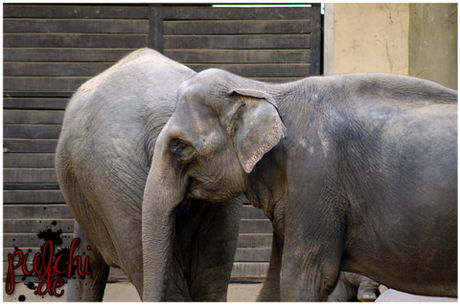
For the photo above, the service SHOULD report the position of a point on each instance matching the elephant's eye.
(179, 145)
(181, 150)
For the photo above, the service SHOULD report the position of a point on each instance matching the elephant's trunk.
(163, 193)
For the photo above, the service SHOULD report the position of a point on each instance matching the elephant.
(351, 287)
(357, 172)
(102, 161)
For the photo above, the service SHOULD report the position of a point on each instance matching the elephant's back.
(112, 122)
(141, 79)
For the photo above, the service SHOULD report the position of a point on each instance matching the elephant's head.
(222, 126)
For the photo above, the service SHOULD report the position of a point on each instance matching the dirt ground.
(125, 292)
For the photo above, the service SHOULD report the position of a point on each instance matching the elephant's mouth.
(204, 191)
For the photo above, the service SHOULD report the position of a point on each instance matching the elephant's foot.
(368, 291)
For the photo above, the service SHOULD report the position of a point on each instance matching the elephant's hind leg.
(271, 289)
(90, 287)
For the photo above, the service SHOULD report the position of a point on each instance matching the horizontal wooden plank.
(259, 70)
(115, 275)
(19, 277)
(76, 40)
(37, 225)
(301, 41)
(181, 13)
(28, 160)
(29, 175)
(35, 103)
(53, 69)
(20, 83)
(250, 212)
(253, 254)
(32, 117)
(92, 69)
(36, 211)
(40, 197)
(75, 26)
(242, 255)
(250, 270)
(255, 240)
(255, 226)
(75, 11)
(31, 240)
(30, 186)
(64, 54)
(29, 146)
(237, 27)
(37, 94)
(32, 131)
(25, 250)
(239, 56)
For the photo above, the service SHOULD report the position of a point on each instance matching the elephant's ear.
(257, 127)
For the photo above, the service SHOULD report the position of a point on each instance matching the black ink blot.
(54, 223)
(22, 298)
(30, 285)
(50, 235)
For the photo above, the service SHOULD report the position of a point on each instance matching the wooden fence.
(50, 50)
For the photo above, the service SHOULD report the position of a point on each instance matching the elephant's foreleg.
(177, 290)
(213, 250)
(271, 290)
(90, 287)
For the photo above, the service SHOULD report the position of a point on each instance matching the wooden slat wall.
(50, 50)
(269, 44)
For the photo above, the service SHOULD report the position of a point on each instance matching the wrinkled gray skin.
(102, 170)
(357, 173)
(102, 162)
(352, 287)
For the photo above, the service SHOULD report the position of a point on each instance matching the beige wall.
(371, 37)
(418, 39)
(433, 42)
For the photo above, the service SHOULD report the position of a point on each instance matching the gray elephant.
(352, 287)
(357, 172)
(102, 161)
